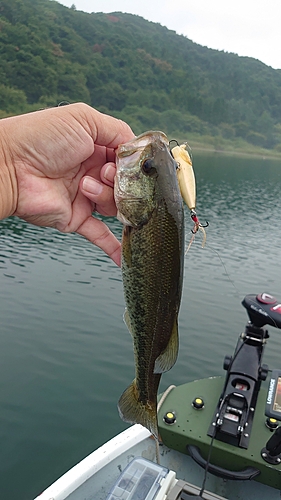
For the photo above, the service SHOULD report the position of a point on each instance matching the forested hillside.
(134, 69)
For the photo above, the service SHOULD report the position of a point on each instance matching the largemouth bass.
(150, 206)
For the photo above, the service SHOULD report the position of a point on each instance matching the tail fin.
(134, 411)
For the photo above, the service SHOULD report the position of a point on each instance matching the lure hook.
(197, 226)
(200, 225)
(194, 231)
(171, 149)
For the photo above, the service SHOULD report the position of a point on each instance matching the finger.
(111, 132)
(107, 173)
(100, 235)
(104, 129)
(100, 194)
(104, 154)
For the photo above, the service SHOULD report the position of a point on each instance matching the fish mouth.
(141, 142)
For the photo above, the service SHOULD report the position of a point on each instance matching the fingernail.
(91, 185)
(109, 173)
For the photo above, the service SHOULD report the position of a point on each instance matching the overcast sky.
(245, 27)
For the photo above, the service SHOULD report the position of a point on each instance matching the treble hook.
(198, 227)
(197, 224)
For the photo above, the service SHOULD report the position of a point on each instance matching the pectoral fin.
(127, 321)
(168, 357)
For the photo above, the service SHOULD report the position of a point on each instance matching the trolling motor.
(244, 444)
(233, 417)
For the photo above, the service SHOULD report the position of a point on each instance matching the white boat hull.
(93, 477)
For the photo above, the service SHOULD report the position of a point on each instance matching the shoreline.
(261, 155)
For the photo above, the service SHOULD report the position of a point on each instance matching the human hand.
(60, 164)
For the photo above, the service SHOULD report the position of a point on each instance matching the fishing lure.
(186, 180)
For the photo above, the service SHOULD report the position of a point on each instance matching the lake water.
(65, 353)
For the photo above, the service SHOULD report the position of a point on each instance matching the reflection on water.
(65, 354)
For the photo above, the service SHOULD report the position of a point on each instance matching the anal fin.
(168, 357)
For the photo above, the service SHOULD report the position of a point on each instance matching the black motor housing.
(233, 417)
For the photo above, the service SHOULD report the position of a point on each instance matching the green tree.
(131, 67)
(256, 138)
(12, 100)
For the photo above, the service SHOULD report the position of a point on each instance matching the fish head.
(143, 167)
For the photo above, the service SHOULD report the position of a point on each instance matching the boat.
(220, 436)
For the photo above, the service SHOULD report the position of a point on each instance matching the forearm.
(8, 181)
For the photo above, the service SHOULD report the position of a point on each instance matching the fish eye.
(147, 167)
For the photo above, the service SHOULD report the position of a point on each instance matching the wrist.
(8, 180)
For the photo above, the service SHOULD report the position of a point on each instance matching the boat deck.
(93, 478)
